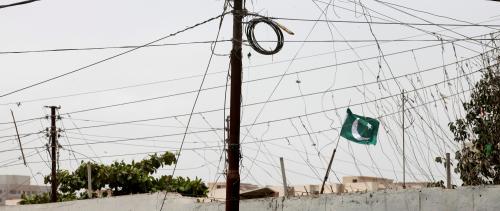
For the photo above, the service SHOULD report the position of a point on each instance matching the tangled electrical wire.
(250, 33)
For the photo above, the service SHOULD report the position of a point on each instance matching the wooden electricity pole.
(233, 151)
(53, 146)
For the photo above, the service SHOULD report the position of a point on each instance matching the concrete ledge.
(484, 198)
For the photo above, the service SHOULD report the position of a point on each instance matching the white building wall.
(466, 199)
(15, 179)
(13, 186)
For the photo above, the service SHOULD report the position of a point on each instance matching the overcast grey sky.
(282, 129)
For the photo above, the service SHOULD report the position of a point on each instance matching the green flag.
(360, 129)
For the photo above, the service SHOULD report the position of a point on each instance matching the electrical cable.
(17, 3)
(385, 23)
(253, 80)
(107, 47)
(411, 26)
(407, 13)
(197, 95)
(275, 100)
(250, 33)
(440, 16)
(102, 125)
(112, 57)
(288, 117)
(193, 76)
(266, 140)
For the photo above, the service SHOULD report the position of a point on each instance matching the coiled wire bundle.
(249, 31)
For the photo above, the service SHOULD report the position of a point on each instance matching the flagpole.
(329, 166)
(350, 132)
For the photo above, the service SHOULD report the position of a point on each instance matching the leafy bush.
(122, 179)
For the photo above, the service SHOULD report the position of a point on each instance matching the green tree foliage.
(45, 198)
(478, 132)
(122, 179)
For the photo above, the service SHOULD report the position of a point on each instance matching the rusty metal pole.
(53, 146)
(233, 151)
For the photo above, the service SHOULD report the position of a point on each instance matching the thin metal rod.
(329, 166)
(448, 171)
(403, 127)
(285, 186)
(18, 138)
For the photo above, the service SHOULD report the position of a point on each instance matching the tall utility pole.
(404, 157)
(233, 151)
(53, 146)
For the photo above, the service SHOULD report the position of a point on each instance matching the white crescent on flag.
(355, 133)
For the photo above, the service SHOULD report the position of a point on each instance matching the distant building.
(350, 184)
(365, 184)
(13, 186)
(217, 190)
(222, 185)
(410, 185)
(370, 184)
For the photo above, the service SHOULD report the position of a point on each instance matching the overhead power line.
(93, 157)
(388, 18)
(198, 92)
(23, 135)
(264, 78)
(109, 47)
(386, 23)
(385, 40)
(112, 57)
(24, 120)
(429, 13)
(223, 41)
(208, 88)
(214, 147)
(282, 119)
(194, 76)
(17, 3)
